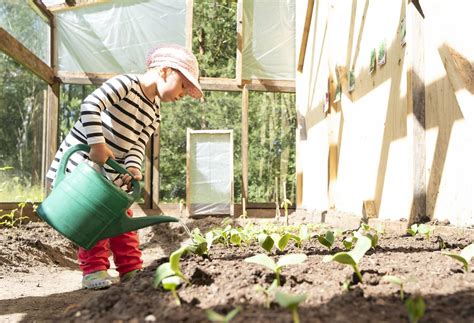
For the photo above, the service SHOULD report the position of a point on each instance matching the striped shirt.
(119, 114)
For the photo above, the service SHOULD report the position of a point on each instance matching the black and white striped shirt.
(117, 113)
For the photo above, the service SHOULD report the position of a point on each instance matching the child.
(116, 121)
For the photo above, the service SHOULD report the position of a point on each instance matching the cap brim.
(195, 90)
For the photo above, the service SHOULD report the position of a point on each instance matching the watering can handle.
(112, 163)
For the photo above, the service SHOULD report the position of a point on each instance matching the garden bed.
(223, 281)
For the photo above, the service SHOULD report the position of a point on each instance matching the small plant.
(267, 292)
(168, 279)
(13, 217)
(213, 316)
(371, 232)
(290, 302)
(285, 204)
(265, 241)
(416, 308)
(421, 229)
(400, 282)
(286, 260)
(327, 239)
(464, 256)
(304, 234)
(352, 257)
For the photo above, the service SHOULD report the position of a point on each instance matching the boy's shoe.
(127, 276)
(98, 280)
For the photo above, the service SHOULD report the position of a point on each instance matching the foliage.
(290, 302)
(286, 260)
(327, 239)
(401, 282)
(352, 257)
(464, 257)
(421, 229)
(216, 317)
(416, 308)
(267, 292)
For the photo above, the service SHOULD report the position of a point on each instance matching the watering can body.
(86, 207)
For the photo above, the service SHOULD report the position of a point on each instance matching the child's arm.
(136, 154)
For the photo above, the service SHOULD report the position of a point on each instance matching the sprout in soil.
(267, 292)
(464, 256)
(304, 234)
(420, 228)
(290, 302)
(400, 282)
(327, 239)
(285, 204)
(416, 308)
(213, 316)
(286, 260)
(352, 257)
(166, 276)
(265, 241)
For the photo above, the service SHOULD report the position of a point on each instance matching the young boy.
(116, 122)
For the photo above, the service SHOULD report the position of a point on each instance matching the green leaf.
(175, 258)
(292, 259)
(283, 242)
(362, 245)
(327, 240)
(341, 257)
(413, 229)
(235, 237)
(289, 301)
(170, 283)
(162, 272)
(216, 317)
(393, 279)
(265, 241)
(416, 308)
(464, 257)
(264, 260)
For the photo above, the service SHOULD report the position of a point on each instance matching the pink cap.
(179, 58)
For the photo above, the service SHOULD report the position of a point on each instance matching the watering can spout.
(127, 224)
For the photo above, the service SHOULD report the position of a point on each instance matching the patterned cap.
(179, 58)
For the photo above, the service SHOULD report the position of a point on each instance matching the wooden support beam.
(416, 109)
(304, 38)
(13, 48)
(189, 24)
(461, 76)
(245, 142)
(39, 5)
(50, 125)
(74, 4)
(155, 181)
(240, 41)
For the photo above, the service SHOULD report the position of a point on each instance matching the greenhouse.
(236, 160)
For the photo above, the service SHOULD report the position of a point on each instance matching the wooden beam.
(84, 78)
(304, 38)
(416, 109)
(39, 5)
(76, 4)
(189, 24)
(50, 124)
(461, 76)
(240, 42)
(245, 142)
(13, 48)
(155, 173)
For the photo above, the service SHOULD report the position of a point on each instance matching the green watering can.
(86, 207)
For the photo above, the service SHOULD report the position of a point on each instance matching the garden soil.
(40, 281)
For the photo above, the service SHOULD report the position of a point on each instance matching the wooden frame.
(245, 143)
(304, 39)
(240, 42)
(189, 133)
(77, 4)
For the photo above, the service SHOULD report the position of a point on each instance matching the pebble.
(150, 318)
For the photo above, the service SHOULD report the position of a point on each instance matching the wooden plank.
(416, 110)
(245, 141)
(155, 188)
(189, 24)
(77, 4)
(13, 48)
(332, 143)
(84, 78)
(265, 85)
(461, 76)
(51, 125)
(45, 13)
(147, 175)
(188, 175)
(240, 42)
(304, 38)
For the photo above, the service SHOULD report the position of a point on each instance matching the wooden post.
(148, 160)
(50, 123)
(189, 24)
(304, 38)
(245, 141)
(240, 42)
(416, 108)
(155, 173)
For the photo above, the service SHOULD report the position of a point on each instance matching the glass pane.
(22, 100)
(220, 111)
(272, 146)
(29, 28)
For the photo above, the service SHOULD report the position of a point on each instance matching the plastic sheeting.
(269, 39)
(210, 172)
(116, 37)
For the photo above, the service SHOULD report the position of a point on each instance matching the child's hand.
(99, 153)
(127, 179)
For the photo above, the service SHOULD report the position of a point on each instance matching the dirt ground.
(40, 281)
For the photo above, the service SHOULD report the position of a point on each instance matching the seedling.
(281, 241)
(285, 204)
(464, 256)
(400, 282)
(167, 277)
(420, 228)
(290, 302)
(200, 244)
(327, 239)
(213, 316)
(265, 241)
(267, 292)
(286, 260)
(303, 235)
(352, 257)
(371, 233)
(416, 308)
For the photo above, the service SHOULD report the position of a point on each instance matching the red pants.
(124, 248)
